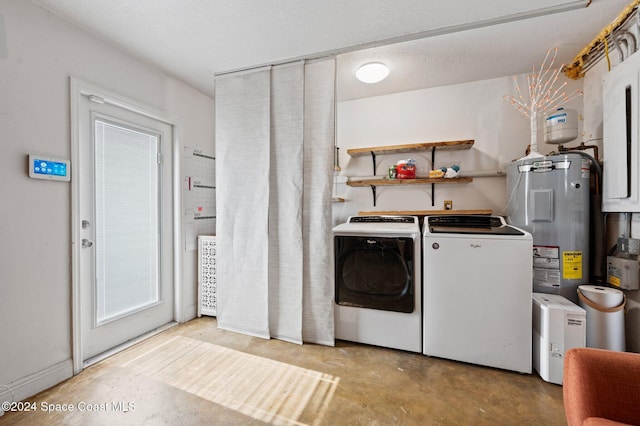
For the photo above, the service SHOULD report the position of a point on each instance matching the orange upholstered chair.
(601, 387)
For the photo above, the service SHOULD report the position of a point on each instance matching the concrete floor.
(373, 386)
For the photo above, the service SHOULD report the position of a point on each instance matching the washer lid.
(382, 219)
(369, 225)
(470, 224)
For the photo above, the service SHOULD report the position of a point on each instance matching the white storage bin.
(558, 325)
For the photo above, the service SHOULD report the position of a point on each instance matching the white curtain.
(242, 201)
(274, 158)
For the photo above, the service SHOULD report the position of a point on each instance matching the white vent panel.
(207, 292)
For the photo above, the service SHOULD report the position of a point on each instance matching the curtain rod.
(571, 5)
(273, 64)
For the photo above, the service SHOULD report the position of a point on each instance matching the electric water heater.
(549, 197)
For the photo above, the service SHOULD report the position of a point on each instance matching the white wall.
(474, 110)
(38, 54)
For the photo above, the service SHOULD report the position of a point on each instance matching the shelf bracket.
(373, 192)
(433, 201)
(373, 159)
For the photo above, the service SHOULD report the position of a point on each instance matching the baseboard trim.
(36, 382)
(189, 313)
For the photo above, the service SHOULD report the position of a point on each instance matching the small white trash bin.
(605, 316)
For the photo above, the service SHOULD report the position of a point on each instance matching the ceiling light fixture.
(372, 72)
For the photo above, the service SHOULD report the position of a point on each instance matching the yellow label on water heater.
(572, 265)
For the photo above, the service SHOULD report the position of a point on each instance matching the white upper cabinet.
(621, 180)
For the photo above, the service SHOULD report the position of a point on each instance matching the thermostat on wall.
(43, 167)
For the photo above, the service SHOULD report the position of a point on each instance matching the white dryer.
(477, 276)
(378, 281)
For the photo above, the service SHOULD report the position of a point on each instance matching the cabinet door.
(620, 137)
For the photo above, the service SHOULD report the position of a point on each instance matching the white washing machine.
(477, 275)
(378, 281)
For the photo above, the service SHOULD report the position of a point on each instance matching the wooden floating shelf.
(423, 146)
(418, 181)
(392, 149)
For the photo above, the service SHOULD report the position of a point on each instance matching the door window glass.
(127, 220)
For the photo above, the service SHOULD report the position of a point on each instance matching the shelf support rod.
(433, 165)
(433, 201)
(373, 159)
(373, 192)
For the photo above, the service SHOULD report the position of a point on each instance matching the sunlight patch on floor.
(261, 388)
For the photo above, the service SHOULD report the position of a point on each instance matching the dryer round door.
(375, 272)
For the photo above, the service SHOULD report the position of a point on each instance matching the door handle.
(86, 243)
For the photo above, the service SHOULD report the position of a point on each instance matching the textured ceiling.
(426, 43)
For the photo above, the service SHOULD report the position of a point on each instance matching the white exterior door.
(125, 259)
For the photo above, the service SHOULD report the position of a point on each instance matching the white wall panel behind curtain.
(242, 200)
(293, 300)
